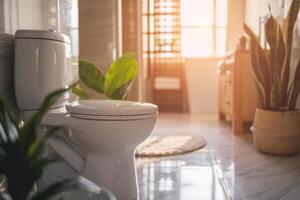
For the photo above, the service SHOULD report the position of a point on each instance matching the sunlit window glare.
(203, 25)
(196, 12)
(196, 42)
(198, 31)
(161, 28)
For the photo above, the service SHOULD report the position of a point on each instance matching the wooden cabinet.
(237, 92)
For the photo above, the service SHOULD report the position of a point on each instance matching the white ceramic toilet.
(106, 132)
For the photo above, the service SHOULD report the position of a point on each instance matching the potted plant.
(115, 84)
(22, 160)
(276, 127)
(21, 154)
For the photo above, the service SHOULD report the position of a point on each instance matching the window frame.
(214, 28)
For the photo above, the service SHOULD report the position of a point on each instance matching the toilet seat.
(111, 110)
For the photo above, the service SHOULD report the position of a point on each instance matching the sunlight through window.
(203, 30)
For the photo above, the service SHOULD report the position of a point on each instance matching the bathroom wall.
(31, 14)
(202, 85)
(201, 73)
(131, 42)
(99, 38)
(59, 15)
(257, 8)
(109, 28)
(236, 17)
(2, 19)
(8, 24)
(6, 70)
(97, 34)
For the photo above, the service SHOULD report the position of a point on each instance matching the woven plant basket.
(277, 133)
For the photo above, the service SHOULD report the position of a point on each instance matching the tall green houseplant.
(276, 127)
(272, 67)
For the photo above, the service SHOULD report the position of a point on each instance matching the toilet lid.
(42, 34)
(111, 108)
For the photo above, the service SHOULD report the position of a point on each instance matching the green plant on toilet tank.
(276, 125)
(115, 84)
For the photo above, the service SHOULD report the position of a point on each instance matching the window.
(161, 28)
(203, 27)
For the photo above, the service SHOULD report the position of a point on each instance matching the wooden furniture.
(237, 90)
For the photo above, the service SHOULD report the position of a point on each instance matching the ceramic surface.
(86, 190)
(108, 143)
(229, 167)
(109, 147)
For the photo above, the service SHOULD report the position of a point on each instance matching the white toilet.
(106, 132)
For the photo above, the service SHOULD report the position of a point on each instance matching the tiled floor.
(227, 168)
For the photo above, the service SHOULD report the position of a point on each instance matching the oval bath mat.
(170, 145)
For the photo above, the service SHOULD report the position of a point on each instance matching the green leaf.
(260, 64)
(21, 158)
(117, 81)
(91, 76)
(27, 135)
(288, 29)
(38, 165)
(296, 88)
(262, 102)
(38, 145)
(121, 72)
(276, 93)
(8, 128)
(79, 92)
(122, 92)
(48, 102)
(275, 40)
(54, 189)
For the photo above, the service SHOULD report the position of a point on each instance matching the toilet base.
(116, 172)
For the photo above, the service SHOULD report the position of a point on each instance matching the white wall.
(30, 14)
(201, 74)
(9, 21)
(236, 12)
(35, 14)
(257, 8)
(202, 83)
(97, 32)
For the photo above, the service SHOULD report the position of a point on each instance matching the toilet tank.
(43, 64)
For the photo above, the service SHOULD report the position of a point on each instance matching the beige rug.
(170, 145)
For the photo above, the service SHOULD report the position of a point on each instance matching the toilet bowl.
(107, 133)
(104, 132)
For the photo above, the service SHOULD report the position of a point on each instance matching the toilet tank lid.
(111, 108)
(42, 34)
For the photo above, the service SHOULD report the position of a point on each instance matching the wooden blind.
(162, 52)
